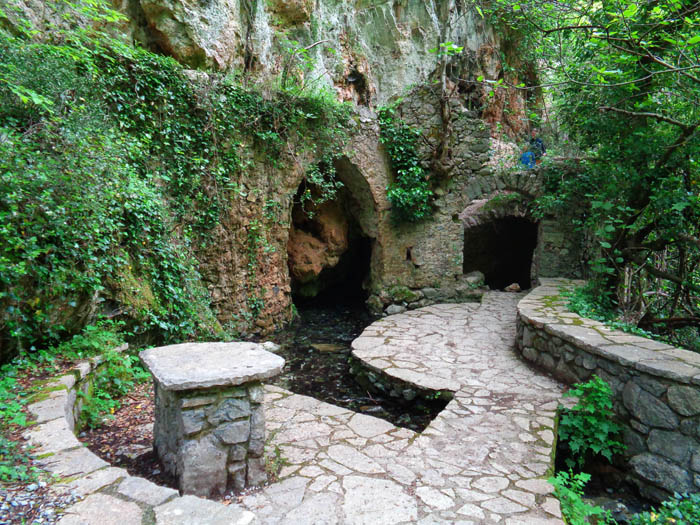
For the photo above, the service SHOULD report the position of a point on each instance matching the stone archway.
(501, 240)
(331, 245)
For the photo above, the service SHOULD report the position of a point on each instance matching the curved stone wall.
(656, 386)
(109, 493)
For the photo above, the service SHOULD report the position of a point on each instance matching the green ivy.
(115, 167)
(115, 377)
(410, 194)
(682, 509)
(589, 426)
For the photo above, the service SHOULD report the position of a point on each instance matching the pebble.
(24, 505)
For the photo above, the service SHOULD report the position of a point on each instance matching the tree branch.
(673, 278)
(649, 114)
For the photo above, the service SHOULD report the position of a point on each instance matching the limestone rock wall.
(656, 386)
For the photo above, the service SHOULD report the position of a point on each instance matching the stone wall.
(218, 437)
(656, 386)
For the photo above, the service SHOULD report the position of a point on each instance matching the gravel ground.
(32, 503)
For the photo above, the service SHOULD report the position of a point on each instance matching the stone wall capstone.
(656, 386)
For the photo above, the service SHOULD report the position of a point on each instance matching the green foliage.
(682, 509)
(114, 169)
(589, 426)
(14, 463)
(568, 488)
(116, 376)
(93, 340)
(623, 77)
(410, 194)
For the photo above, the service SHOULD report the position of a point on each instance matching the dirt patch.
(126, 441)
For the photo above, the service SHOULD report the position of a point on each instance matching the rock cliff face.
(368, 53)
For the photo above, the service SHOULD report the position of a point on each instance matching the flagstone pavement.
(483, 460)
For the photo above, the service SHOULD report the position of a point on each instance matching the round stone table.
(209, 422)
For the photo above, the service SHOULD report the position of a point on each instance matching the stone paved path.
(482, 460)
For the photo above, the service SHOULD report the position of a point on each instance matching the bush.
(116, 376)
(410, 194)
(568, 487)
(589, 427)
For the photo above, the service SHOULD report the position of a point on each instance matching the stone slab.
(52, 436)
(144, 491)
(194, 510)
(192, 366)
(102, 509)
(72, 462)
(95, 481)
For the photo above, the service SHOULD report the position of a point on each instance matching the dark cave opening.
(329, 255)
(344, 283)
(502, 250)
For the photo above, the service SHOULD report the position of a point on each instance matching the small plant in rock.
(118, 375)
(568, 487)
(589, 427)
(682, 509)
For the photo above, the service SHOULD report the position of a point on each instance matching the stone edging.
(656, 386)
(111, 494)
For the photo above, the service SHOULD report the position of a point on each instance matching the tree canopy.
(624, 80)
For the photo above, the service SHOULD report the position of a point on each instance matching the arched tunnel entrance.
(329, 247)
(502, 249)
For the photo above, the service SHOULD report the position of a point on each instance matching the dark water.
(324, 372)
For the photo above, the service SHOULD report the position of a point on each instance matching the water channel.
(319, 364)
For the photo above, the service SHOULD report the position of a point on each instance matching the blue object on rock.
(527, 159)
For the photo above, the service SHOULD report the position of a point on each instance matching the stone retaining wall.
(110, 493)
(656, 386)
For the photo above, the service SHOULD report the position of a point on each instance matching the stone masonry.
(209, 427)
(656, 386)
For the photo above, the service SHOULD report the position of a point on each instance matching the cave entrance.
(502, 249)
(329, 252)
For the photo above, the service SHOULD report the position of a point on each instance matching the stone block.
(684, 399)
(192, 421)
(639, 427)
(256, 474)
(237, 474)
(530, 354)
(190, 509)
(257, 424)
(647, 408)
(202, 467)
(256, 447)
(103, 509)
(691, 427)
(695, 461)
(144, 491)
(236, 453)
(635, 442)
(662, 472)
(256, 393)
(651, 385)
(229, 410)
(672, 445)
(197, 401)
(234, 432)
